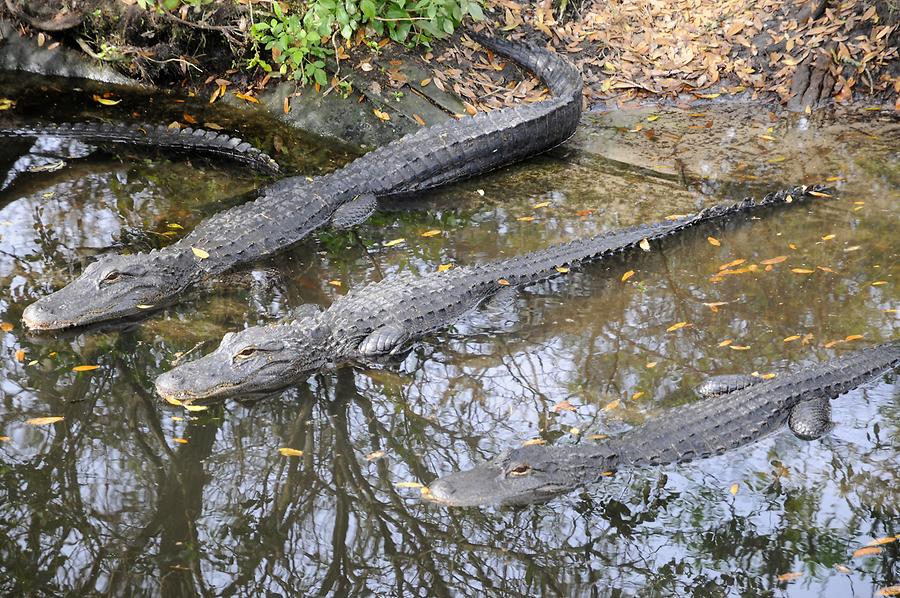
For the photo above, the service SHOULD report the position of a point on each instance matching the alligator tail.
(533, 267)
(154, 136)
(558, 74)
(848, 371)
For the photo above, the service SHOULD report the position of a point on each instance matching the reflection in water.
(127, 495)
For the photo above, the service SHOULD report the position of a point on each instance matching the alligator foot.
(811, 419)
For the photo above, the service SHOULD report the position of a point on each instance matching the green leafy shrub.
(298, 38)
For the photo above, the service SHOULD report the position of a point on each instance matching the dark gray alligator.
(695, 431)
(385, 317)
(188, 139)
(289, 210)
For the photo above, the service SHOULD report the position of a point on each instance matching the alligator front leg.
(387, 340)
(811, 419)
(354, 212)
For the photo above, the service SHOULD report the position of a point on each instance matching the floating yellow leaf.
(20, 355)
(574, 431)
(734, 489)
(381, 114)
(430, 233)
(290, 452)
(533, 441)
(713, 241)
(889, 591)
(802, 271)
(866, 551)
(374, 455)
(335, 283)
(200, 253)
(444, 267)
(6, 326)
(85, 368)
(819, 194)
(599, 436)
(637, 395)
(562, 269)
(767, 137)
(768, 376)
(525, 218)
(394, 242)
(828, 237)
(173, 401)
(612, 405)
(408, 485)
(853, 337)
(726, 342)
(676, 326)
(774, 260)
(4, 438)
(825, 269)
(246, 97)
(714, 307)
(852, 248)
(180, 440)
(739, 347)
(644, 244)
(792, 246)
(627, 275)
(6, 103)
(842, 569)
(105, 101)
(881, 541)
(503, 282)
(652, 118)
(732, 263)
(879, 283)
(175, 226)
(196, 408)
(543, 204)
(650, 365)
(213, 126)
(776, 160)
(790, 576)
(44, 421)
(607, 474)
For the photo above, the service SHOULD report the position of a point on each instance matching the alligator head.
(114, 286)
(520, 476)
(250, 362)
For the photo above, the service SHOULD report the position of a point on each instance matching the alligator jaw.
(37, 317)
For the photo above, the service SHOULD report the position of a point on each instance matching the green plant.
(298, 38)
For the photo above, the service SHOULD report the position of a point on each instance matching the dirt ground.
(803, 54)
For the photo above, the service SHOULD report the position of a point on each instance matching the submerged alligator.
(695, 431)
(199, 141)
(290, 209)
(385, 317)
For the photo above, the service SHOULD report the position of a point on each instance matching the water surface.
(130, 496)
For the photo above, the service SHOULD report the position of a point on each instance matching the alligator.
(694, 431)
(384, 318)
(287, 211)
(202, 141)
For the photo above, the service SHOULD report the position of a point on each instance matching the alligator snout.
(38, 317)
(171, 385)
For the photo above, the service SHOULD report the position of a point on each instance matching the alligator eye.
(245, 353)
(520, 470)
(113, 276)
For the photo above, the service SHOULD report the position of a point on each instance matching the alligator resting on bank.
(695, 431)
(188, 139)
(385, 317)
(290, 209)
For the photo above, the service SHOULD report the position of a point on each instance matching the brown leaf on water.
(44, 421)
(563, 405)
(444, 267)
(791, 338)
(774, 260)
(866, 551)
(612, 405)
(802, 271)
(534, 441)
(105, 101)
(790, 576)
(828, 237)
(419, 120)
(739, 347)
(246, 97)
(726, 342)
(394, 242)
(525, 218)
(714, 307)
(85, 368)
(713, 241)
(287, 451)
(375, 455)
(6, 326)
(819, 194)
(188, 118)
(180, 440)
(286, 105)
(732, 264)
(882, 541)
(853, 337)
(676, 326)
(889, 590)
(503, 282)
(627, 275)
(430, 233)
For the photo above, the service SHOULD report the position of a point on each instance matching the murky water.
(130, 496)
